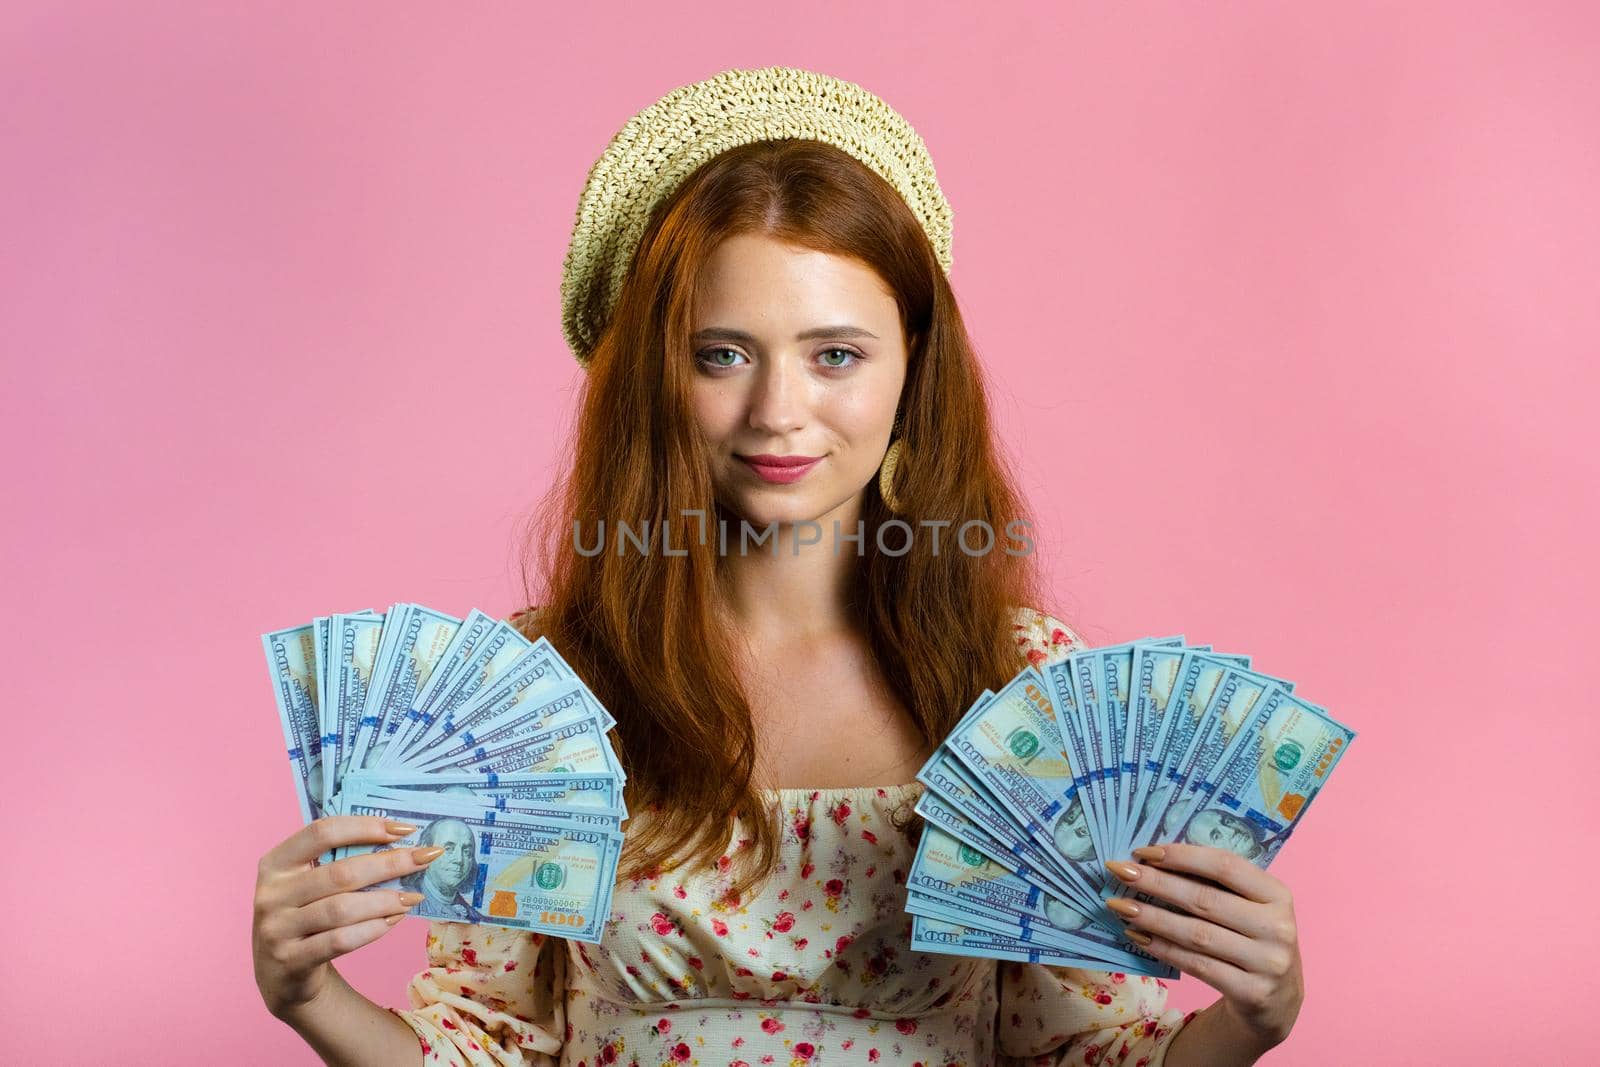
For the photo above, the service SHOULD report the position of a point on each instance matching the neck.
(795, 590)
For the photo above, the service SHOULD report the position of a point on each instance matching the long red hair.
(640, 627)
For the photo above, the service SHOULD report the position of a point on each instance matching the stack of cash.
(487, 742)
(1081, 761)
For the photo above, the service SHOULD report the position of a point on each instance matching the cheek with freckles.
(860, 423)
(716, 416)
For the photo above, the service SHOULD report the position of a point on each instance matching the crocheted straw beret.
(663, 144)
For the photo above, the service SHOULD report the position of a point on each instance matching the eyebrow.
(723, 333)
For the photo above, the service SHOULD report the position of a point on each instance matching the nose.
(780, 398)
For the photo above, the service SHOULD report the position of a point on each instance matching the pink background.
(280, 311)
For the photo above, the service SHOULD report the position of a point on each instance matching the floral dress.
(815, 971)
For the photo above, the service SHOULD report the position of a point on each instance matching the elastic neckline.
(837, 791)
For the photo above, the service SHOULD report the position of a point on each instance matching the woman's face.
(796, 353)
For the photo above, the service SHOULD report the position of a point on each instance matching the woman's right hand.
(306, 915)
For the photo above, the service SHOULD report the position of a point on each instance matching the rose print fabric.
(816, 970)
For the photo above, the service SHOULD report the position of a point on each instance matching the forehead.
(753, 279)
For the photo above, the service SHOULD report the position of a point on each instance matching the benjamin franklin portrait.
(1154, 803)
(445, 882)
(1072, 833)
(314, 788)
(1063, 917)
(1224, 830)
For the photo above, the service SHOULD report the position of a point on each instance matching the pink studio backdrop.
(280, 313)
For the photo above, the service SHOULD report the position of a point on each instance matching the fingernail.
(1126, 871)
(410, 899)
(398, 829)
(1122, 906)
(392, 919)
(1151, 853)
(1138, 937)
(427, 855)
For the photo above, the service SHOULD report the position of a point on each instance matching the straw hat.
(663, 144)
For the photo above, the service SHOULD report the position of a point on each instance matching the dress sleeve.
(1065, 1015)
(1043, 638)
(491, 997)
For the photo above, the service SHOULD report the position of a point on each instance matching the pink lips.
(780, 469)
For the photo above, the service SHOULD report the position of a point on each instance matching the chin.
(759, 508)
(760, 519)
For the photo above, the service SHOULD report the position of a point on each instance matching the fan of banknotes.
(487, 742)
(1083, 760)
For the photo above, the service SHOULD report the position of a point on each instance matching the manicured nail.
(1126, 871)
(392, 919)
(410, 900)
(427, 855)
(398, 829)
(1151, 853)
(1123, 906)
(1138, 937)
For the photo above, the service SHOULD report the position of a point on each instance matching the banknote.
(1238, 689)
(544, 707)
(1084, 758)
(353, 653)
(592, 792)
(1004, 844)
(501, 868)
(1195, 684)
(554, 804)
(490, 658)
(413, 644)
(1253, 798)
(530, 677)
(1013, 747)
(1153, 674)
(490, 738)
(1268, 778)
(937, 935)
(948, 870)
(1116, 673)
(457, 655)
(292, 662)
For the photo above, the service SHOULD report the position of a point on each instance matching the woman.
(760, 312)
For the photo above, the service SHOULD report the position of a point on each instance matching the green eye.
(844, 351)
(713, 352)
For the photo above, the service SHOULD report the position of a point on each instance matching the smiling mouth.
(780, 470)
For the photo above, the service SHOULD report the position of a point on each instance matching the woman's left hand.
(1240, 939)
